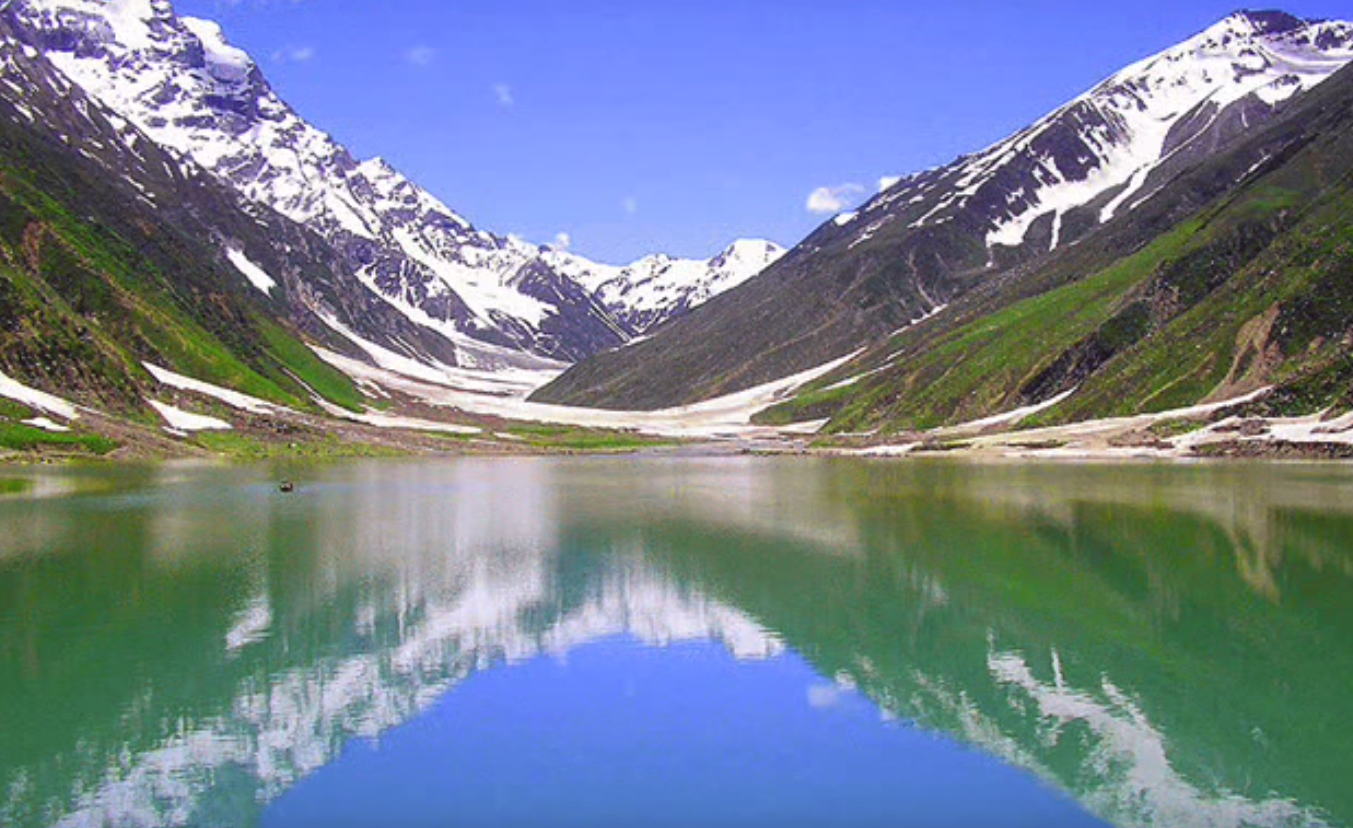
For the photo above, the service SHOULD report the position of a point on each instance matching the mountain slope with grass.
(1105, 160)
(493, 299)
(1236, 277)
(113, 259)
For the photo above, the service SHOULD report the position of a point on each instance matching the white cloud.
(828, 200)
(630, 205)
(421, 55)
(824, 696)
(562, 241)
(887, 181)
(503, 93)
(294, 54)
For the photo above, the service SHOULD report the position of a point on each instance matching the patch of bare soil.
(1274, 450)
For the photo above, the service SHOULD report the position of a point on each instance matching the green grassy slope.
(94, 282)
(1173, 306)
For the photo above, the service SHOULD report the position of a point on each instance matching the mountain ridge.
(188, 89)
(933, 236)
(1232, 284)
(134, 277)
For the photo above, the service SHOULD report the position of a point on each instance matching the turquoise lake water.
(676, 641)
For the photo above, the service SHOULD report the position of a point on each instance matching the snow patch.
(12, 389)
(727, 416)
(380, 419)
(186, 421)
(224, 62)
(234, 399)
(1014, 416)
(507, 382)
(898, 450)
(849, 381)
(805, 427)
(46, 425)
(256, 275)
(1134, 184)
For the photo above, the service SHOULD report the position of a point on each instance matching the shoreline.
(210, 422)
(1225, 453)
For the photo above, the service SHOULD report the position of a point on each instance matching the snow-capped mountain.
(934, 237)
(179, 82)
(659, 287)
(197, 240)
(1110, 149)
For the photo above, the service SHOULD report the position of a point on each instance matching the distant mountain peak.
(934, 236)
(659, 286)
(762, 250)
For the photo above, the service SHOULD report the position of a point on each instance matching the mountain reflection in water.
(1168, 645)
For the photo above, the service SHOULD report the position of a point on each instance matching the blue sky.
(636, 127)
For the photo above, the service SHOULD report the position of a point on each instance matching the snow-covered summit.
(1107, 150)
(658, 287)
(181, 83)
(118, 25)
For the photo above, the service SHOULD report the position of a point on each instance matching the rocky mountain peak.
(223, 62)
(1247, 33)
(742, 251)
(180, 82)
(93, 27)
(935, 236)
(1106, 149)
(1264, 22)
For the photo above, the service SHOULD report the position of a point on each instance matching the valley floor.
(433, 414)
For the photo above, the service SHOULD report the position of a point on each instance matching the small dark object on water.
(287, 487)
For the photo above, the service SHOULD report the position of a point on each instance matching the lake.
(677, 640)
